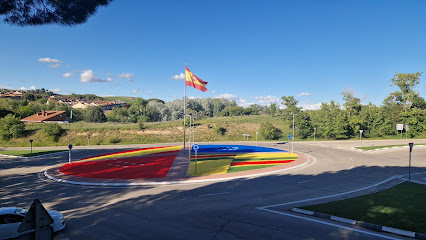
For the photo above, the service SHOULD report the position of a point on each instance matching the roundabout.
(169, 165)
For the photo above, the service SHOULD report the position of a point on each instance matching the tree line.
(331, 121)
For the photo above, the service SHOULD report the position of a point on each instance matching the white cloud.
(89, 76)
(149, 93)
(137, 91)
(228, 96)
(54, 65)
(67, 75)
(128, 76)
(240, 101)
(315, 106)
(173, 96)
(23, 88)
(181, 76)
(109, 79)
(32, 87)
(268, 99)
(214, 92)
(49, 60)
(55, 90)
(304, 94)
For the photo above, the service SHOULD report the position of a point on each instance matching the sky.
(253, 52)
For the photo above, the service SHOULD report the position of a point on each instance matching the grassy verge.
(379, 147)
(27, 153)
(402, 206)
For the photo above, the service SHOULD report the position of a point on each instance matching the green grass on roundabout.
(27, 153)
(402, 206)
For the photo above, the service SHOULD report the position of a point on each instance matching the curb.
(370, 226)
(47, 175)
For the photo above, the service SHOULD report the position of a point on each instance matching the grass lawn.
(402, 206)
(27, 153)
(387, 146)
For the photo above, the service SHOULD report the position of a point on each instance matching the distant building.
(46, 116)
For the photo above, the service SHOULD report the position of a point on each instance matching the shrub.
(269, 132)
(220, 130)
(11, 126)
(52, 130)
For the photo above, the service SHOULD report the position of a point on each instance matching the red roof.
(46, 116)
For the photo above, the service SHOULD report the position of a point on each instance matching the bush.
(141, 122)
(220, 130)
(52, 130)
(269, 132)
(11, 126)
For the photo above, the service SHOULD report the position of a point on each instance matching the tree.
(273, 109)
(406, 82)
(11, 126)
(40, 12)
(94, 114)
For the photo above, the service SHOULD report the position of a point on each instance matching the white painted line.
(329, 224)
(307, 181)
(399, 231)
(298, 167)
(345, 220)
(330, 196)
(213, 194)
(298, 210)
(351, 159)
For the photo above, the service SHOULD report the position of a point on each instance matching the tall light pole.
(292, 145)
(315, 129)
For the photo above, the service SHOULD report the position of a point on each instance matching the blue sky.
(248, 51)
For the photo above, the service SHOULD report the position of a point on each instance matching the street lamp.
(292, 145)
(315, 129)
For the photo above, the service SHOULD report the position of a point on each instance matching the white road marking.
(213, 194)
(327, 223)
(307, 181)
(330, 196)
(350, 159)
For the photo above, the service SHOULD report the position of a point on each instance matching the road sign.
(399, 127)
(289, 136)
(411, 146)
(70, 146)
(195, 147)
(37, 217)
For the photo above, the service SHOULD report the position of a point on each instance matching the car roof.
(7, 210)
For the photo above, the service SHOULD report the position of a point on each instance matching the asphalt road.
(216, 210)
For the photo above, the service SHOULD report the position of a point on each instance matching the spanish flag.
(193, 81)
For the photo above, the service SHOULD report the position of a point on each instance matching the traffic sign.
(195, 147)
(70, 146)
(289, 136)
(37, 217)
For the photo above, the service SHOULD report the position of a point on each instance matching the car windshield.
(21, 211)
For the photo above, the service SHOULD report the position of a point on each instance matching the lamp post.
(292, 145)
(409, 164)
(315, 129)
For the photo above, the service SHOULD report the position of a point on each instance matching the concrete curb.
(219, 179)
(370, 226)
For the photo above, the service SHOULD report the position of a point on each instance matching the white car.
(11, 218)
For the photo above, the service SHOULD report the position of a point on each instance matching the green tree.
(94, 114)
(269, 131)
(64, 12)
(11, 126)
(406, 82)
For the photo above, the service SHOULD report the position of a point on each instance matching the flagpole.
(184, 122)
